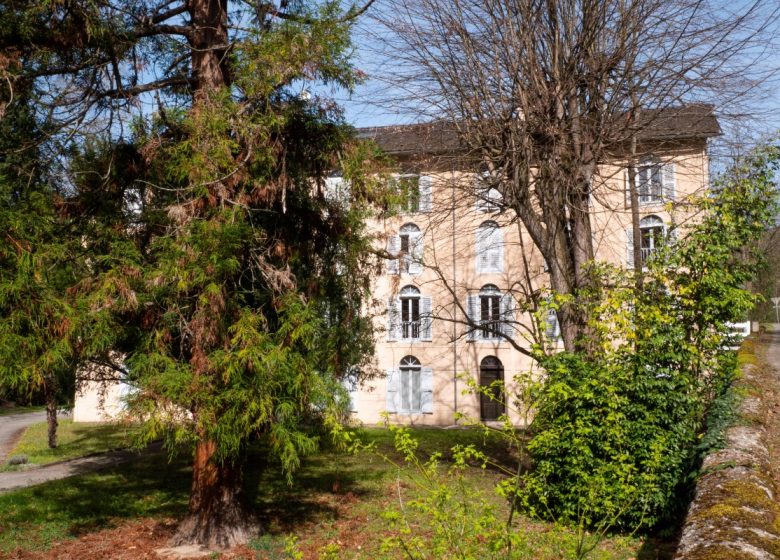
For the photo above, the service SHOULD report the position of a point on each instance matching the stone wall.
(734, 514)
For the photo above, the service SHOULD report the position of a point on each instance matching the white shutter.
(416, 249)
(553, 330)
(393, 247)
(350, 383)
(630, 247)
(393, 319)
(627, 188)
(483, 242)
(426, 193)
(472, 302)
(507, 315)
(668, 181)
(426, 390)
(426, 319)
(480, 191)
(391, 404)
(337, 190)
(498, 250)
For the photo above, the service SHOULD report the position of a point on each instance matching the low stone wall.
(734, 514)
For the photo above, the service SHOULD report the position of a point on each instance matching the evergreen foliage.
(216, 265)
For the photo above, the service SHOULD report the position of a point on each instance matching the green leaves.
(617, 433)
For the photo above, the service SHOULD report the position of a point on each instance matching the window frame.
(490, 330)
(489, 238)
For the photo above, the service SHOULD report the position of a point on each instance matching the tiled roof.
(439, 137)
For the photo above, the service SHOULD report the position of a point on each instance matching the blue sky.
(361, 111)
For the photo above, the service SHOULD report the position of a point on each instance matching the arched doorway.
(491, 397)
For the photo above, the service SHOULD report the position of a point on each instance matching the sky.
(361, 110)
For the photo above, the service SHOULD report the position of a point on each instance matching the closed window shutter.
(426, 318)
(416, 245)
(483, 257)
(393, 319)
(472, 302)
(553, 330)
(393, 247)
(426, 193)
(630, 248)
(668, 181)
(426, 390)
(507, 315)
(627, 188)
(351, 385)
(392, 391)
(337, 191)
(498, 250)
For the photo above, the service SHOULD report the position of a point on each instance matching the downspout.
(454, 306)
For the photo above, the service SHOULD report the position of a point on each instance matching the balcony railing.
(410, 329)
(490, 329)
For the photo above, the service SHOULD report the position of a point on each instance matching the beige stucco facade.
(449, 274)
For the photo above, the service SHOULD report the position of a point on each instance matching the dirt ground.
(139, 539)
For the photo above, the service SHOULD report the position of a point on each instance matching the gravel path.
(21, 479)
(11, 428)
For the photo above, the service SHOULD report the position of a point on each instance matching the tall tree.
(246, 281)
(35, 357)
(542, 92)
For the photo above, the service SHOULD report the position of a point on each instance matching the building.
(449, 305)
(462, 255)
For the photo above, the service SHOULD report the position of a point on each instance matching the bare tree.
(541, 92)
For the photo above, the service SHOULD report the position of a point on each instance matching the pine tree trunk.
(51, 413)
(217, 517)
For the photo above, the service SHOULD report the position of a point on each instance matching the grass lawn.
(337, 508)
(73, 440)
(9, 410)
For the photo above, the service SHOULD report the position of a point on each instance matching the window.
(414, 192)
(337, 191)
(408, 246)
(655, 182)
(491, 314)
(410, 316)
(652, 233)
(488, 198)
(552, 330)
(351, 384)
(490, 248)
(410, 312)
(410, 387)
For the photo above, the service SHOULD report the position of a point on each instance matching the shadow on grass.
(36, 516)
(154, 486)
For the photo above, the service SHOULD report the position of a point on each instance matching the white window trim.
(395, 323)
(667, 177)
(408, 263)
(630, 240)
(506, 313)
(424, 193)
(394, 397)
(496, 242)
(488, 199)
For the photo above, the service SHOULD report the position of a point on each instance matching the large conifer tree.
(242, 284)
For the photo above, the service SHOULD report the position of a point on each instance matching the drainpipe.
(454, 306)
